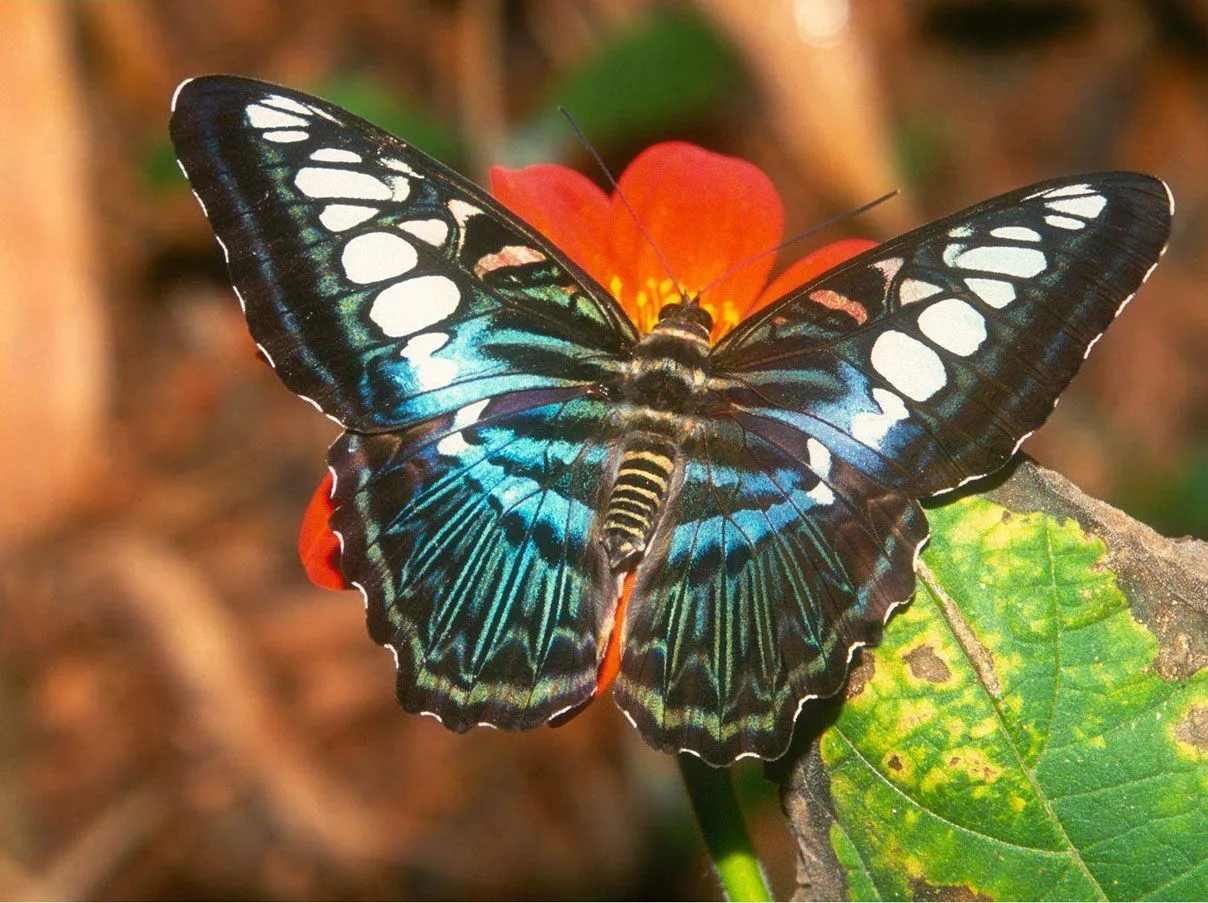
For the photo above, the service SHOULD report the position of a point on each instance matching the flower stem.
(716, 806)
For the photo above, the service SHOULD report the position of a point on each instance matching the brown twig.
(229, 698)
(481, 80)
(824, 100)
(81, 870)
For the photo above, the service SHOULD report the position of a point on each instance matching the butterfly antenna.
(813, 230)
(595, 155)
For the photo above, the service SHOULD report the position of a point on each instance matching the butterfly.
(513, 450)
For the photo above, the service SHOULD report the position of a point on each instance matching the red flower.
(705, 212)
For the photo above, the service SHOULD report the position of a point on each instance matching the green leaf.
(1014, 736)
(670, 69)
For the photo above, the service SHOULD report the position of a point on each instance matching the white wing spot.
(462, 211)
(911, 367)
(954, 325)
(960, 231)
(431, 231)
(268, 357)
(338, 217)
(375, 256)
(455, 443)
(414, 305)
(1016, 233)
(1087, 353)
(913, 290)
(995, 292)
(285, 136)
(400, 188)
(424, 344)
(951, 252)
(1066, 190)
(335, 155)
(452, 444)
(262, 117)
(1010, 261)
(1088, 206)
(323, 182)
(871, 429)
(1064, 222)
(321, 112)
(399, 166)
(889, 267)
(286, 103)
(176, 93)
(820, 464)
(430, 372)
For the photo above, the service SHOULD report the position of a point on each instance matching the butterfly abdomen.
(637, 497)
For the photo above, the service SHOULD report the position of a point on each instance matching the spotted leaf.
(1035, 726)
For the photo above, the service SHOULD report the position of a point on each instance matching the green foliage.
(1174, 501)
(671, 69)
(1014, 739)
(390, 111)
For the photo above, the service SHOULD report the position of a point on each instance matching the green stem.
(712, 793)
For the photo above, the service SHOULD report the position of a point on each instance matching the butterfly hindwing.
(472, 539)
(774, 560)
(927, 360)
(380, 284)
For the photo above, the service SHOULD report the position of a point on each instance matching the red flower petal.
(706, 213)
(808, 267)
(610, 663)
(563, 205)
(318, 547)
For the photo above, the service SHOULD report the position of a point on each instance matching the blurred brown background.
(181, 714)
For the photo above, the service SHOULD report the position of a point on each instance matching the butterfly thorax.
(660, 398)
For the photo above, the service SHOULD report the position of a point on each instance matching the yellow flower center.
(645, 304)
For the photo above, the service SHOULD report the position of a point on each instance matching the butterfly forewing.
(927, 360)
(380, 284)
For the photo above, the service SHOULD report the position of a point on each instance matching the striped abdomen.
(636, 499)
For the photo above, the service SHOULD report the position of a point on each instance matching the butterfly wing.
(473, 544)
(926, 361)
(457, 347)
(772, 562)
(380, 284)
(914, 367)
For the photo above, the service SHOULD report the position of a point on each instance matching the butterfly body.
(664, 393)
(514, 451)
